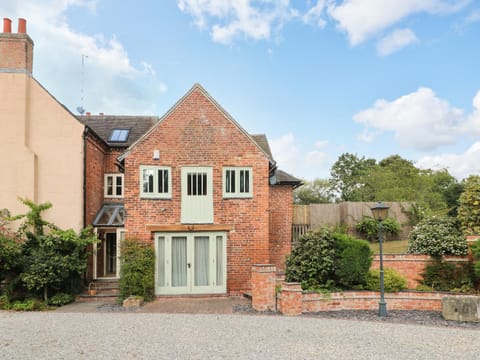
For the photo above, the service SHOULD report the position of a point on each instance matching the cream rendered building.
(41, 142)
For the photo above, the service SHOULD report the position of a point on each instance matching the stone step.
(98, 297)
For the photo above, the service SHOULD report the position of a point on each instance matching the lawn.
(391, 247)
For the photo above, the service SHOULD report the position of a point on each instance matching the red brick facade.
(197, 132)
(281, 212)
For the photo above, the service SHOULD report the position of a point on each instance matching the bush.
(311, 261)
(393, 281)
(437, 236)
(369, 228)
(327, 260)
(476, 253)
(4, 302)
(354, 258)
(61, 299)
(27, 305)
(446, 276)
(137, 272)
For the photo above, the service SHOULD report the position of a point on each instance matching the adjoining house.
(207, 194)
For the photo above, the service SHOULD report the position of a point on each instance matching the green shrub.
(437, 236)
(61, 299)
(27, 305)
(393, 281)
(4, 302)
(311, 261)
(447, 276)
(328, 260)
(369, 227)
(476, 253)
(353, 260)
(137, 274)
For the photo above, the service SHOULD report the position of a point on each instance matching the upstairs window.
(155, 182)
(113, 185)
(119, 135)
(237, 182)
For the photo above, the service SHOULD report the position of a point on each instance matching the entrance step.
(100, 290)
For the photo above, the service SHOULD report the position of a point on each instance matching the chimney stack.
(22, 26)
(7, 25)
(16, 50)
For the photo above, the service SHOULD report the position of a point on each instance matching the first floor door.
(190, 263)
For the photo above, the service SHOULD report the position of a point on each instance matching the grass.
(391, 247)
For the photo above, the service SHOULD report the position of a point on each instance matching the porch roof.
(110, 215)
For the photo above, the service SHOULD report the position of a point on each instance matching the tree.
(56, 258)
(469, 208)
(313, 192)
(347, 177)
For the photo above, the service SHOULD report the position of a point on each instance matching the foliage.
(55, 258)
(369, 227)
(61, 299)
(393, 281)
(446, 276)
(313, 192)
(347, 177)
(27, 305)
(10, 256)
(33, 221)
(326, 260)
(469, 208)
(4, 302)
(353, 260)
(311, 261)
(137, 274)
(437, 236)
(417, 213)
(476, 254)
(355, 178)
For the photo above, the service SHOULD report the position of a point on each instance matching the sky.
(319, 77)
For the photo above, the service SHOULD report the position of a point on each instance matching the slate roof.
(103, 125)
(284, 178)
(262, 141)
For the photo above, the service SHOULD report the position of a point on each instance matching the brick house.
(205, 193)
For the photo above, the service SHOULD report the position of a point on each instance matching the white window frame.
(156, 194)
(114, 177)
(237, 193)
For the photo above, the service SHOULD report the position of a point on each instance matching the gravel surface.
(54, 335)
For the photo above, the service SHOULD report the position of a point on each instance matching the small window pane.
(110, 185)
(219, 254)
(148, 180)
(119, 186)
(161, 261)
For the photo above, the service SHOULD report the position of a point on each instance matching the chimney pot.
(22, 26)
(101, 114)
(88, 113)
(7, 25)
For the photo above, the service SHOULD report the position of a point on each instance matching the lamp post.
(380, 212)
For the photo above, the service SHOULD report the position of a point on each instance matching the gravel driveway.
(53, 335)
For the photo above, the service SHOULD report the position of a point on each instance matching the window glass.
(237, 182)
(119, 135)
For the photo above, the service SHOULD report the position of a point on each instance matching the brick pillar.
(263, 287)
(290, 302)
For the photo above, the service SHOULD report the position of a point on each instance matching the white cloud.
(459, 165)
(473, 17)
(362, 19)
(395, 41)
(231, 19)
(420, 120)
(310, 164)
(315, 14)
(111, 81)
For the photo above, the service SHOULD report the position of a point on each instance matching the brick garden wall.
(410, 266)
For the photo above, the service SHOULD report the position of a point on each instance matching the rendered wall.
(42, 151)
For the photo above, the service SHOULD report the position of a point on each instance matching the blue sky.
(318, 77)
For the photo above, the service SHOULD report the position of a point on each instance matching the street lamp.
(380, 212)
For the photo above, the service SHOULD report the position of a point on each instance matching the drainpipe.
(85, 135)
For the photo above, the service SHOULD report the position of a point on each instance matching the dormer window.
(119, 135)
